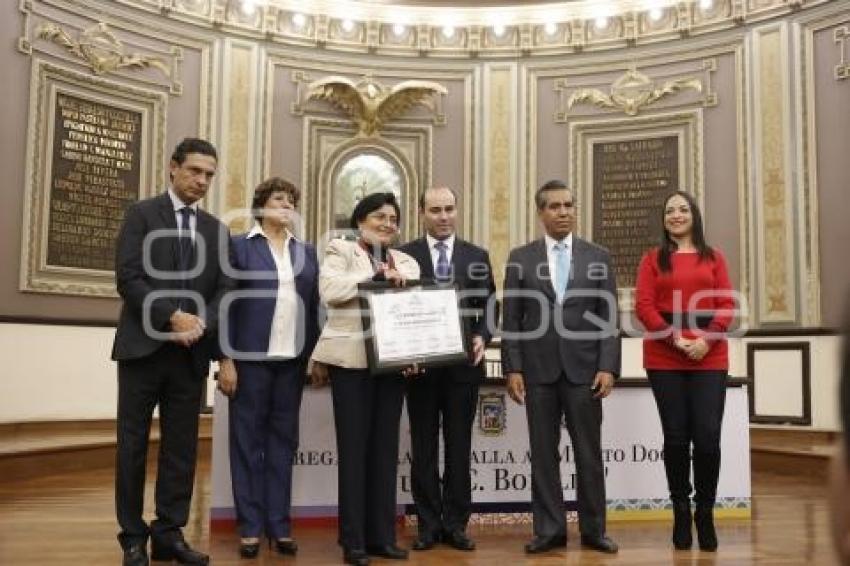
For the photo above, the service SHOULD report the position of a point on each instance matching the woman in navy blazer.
(272, 325)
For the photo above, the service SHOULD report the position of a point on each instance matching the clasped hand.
(186, 329)
(695, 348)
(414, 371)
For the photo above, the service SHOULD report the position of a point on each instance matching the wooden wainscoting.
(48, 448)
(792, 452)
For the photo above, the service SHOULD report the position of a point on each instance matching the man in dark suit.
(169, 274)
(560, 354)
(448, 394)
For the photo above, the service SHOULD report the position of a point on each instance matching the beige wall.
(13, 114)
(832, 132)
(463, 149)
(183, 118)
(719, 143)
(500, 141)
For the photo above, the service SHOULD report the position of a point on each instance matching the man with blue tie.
(448, 395)
(560, 355)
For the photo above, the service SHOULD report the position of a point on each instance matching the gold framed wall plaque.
(94, 147)
(623, 168)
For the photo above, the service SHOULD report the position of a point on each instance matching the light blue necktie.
(562, 270)
(442, 268)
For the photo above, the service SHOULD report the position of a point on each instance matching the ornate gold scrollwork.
(632, 91)
(99, 47)
(370, 104)
(841, 36)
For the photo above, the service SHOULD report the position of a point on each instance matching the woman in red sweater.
(684, 299)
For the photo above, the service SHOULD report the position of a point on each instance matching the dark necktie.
(185, 245)
(441, 270)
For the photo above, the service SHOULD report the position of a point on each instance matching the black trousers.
(434, 399)
(367, 411)
(545, 405)
(690, 404)
(164, 378)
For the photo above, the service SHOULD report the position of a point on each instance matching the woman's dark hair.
(266, 189)
(371, 203)
(668, 246)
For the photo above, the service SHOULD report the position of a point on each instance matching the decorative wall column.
(500, 210)
(774, 246)
(239, 150)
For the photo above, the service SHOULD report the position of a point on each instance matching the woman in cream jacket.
(367, 408)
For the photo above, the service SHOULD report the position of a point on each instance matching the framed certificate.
(416, 324)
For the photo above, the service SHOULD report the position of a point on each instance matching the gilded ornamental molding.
(841, 36)
(99, 48)
(368, 27)
(370, 105)
(632, 91)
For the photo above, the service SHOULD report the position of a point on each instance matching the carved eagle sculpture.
(370, 104)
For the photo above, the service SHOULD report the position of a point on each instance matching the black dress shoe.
(355, 556)
(284, 546)
(135, 555)
(545, 544)
(249, 549)
(390, 551)
(458, 540)
(423, 543)
(601, 543)
(180, 552)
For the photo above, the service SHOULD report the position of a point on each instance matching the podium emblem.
(492, 413)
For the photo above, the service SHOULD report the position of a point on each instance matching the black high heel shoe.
(682, 524)
(284, 546)
(249, 549)
(704, 522)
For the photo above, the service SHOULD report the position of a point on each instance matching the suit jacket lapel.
(264, 252)
(361, 259)
(458, 266)
(297, 257)
(166, 213)
(578, 265)
(426, 264)
(540, 262)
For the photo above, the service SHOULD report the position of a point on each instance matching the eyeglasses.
(383, 218)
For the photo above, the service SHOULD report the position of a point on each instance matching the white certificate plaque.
(418, 324)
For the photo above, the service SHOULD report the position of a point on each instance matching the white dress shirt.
(284, 320)
(179, 205)
(551, 256)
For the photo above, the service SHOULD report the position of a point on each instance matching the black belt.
(688, 320)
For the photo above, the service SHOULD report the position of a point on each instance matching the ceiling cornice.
(504, 31)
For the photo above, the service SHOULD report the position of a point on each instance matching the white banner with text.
(632, 452)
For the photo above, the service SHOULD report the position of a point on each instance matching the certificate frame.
(371, 291)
